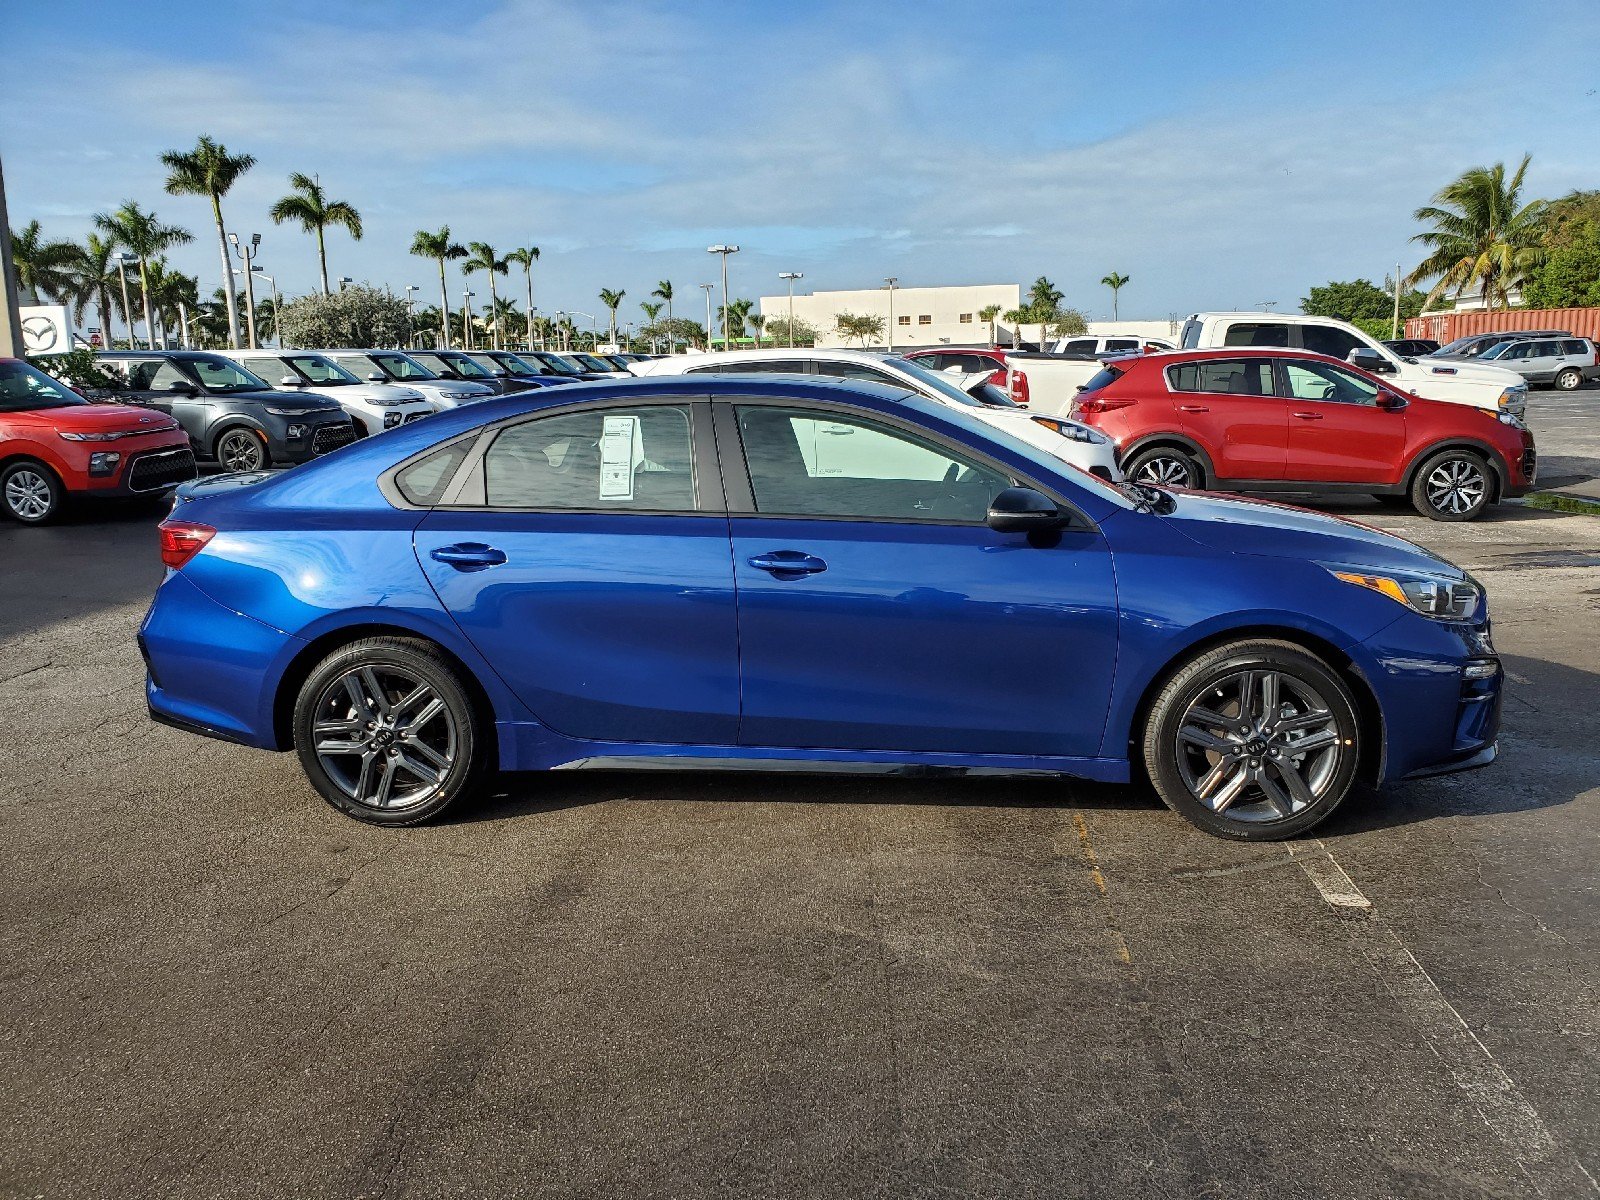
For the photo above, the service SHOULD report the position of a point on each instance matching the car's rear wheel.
(387, 732)
(1165, 466)
(1256, 741)
(1455, 486)
(1569, 380)
(241, 450)
(30, 492)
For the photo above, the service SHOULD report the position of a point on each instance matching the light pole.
(277, 306)
(124, 261)
(791, 276)
(11, 345)
(246, 251)
(891, 283)
(410, 300)
(466, 318)
(706, 288)
(561, 329)
(726, 316)
(594, 327)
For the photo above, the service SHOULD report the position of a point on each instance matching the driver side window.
(1318, 381)
(821, 464)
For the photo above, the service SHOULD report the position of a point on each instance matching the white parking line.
(1337, 888)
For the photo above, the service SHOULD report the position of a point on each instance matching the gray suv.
(230, 415)
(1562, 362)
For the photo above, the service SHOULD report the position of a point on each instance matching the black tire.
(1265, 806)
(381, 778)
(1165, 466)
(30, 492)
(1569, 380)
(240, 449)
(1454, 486)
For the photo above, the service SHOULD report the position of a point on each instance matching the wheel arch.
(1497, 464)
(305, 660)
(1171, 441)
(226, 424)
(1370, 767)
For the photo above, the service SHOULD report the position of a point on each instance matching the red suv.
(1285, 420)
(54, 442)
(975, 358)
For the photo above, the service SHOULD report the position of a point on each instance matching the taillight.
(1094, 403)
(1018, 386)
(182, 540)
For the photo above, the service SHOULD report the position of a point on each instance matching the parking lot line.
(1329, 878)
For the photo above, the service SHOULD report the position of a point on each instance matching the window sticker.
(619, 450)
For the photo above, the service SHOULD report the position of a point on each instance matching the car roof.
(164, 354)
(1168, 357)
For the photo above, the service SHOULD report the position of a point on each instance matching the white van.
(1455, 380)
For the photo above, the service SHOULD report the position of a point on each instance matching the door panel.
(1337, 434)
(1228, 406)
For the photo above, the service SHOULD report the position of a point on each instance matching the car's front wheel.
(1569, 380)
(1256, 741)
(387, 732)
(241, 450)
(30, 492)
(1165, 467)
(1455, 486)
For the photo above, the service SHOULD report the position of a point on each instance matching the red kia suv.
(1258, 420)
(54, 443)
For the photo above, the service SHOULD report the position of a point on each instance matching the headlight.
(295, 432)
(391, 419)
(103, 462)
(289, 412)
(91, 437)
(1076, 433)
(462, 395)
(1514, 399)
(1443, 599)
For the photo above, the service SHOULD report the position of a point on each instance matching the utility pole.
(726, 316)
(410, 300)
(706, 288)
(10, 322)
(891, 283)
(246, 251)
(124, 261)
(277, 305)
(466, 320)
(791, 276)
(1394, 328)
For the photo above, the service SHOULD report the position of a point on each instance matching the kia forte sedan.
(688, 570)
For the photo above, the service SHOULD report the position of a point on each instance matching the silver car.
(1561, 362)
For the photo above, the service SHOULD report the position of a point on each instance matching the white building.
(923, 316)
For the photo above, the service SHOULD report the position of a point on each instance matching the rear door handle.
(469, 556)
(788, 564)
(1193, 408)
(1309, 416)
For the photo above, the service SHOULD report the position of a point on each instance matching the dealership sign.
(46, 328)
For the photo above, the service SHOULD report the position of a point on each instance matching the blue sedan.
(740, 571)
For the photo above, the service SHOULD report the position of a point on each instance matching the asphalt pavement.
(212, 984)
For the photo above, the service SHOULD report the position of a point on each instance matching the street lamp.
(410, 300)
(561, 329)
(466, 318)
(246, 251)
(726, 316)
(594, 327)
(277, 306)
(706, 288)
(891, 283)
(124, 261)
(791, 276)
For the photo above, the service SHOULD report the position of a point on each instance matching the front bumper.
(148, 467)
(317, 435)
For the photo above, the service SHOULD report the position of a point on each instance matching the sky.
(1221, 154)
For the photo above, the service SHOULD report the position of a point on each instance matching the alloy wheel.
(1456, 486)
(240, 451)
(384, 736)
(28, 494)
(1259, 745)
(1165, 470)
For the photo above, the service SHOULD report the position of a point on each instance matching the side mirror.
(1370, 360)
(1391, 401)
(377, 377)
(182, 387)
(1023, 510)
(291, 381)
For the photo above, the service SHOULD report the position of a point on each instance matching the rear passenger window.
(1253, 333)
(1226, 376)
(424, 481)
(613, 458)
(1574, 347)
(1122, 344)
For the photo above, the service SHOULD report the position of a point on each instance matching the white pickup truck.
(1053, 383)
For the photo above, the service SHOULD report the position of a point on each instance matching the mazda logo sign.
(40, 335)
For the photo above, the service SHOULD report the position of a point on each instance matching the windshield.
(400, 366)
(520, 366)
(555, 362)
(933, 383)
(217, 374)
(24, 388)
(593, 363)
(491, 364)
(320, 370)
(454, 360)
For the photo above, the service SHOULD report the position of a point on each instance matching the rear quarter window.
(424, 481)
(1105, 377)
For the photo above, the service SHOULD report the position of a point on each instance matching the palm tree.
(503, 313)
(1016, 316)
(757, 324)
(483, 258)
(1116, 283)
(1482, 235)
(439, 247)
(309, 205)
(738, 312)
(1044, 300)
(651, 311)
(612, 300)
(525, 258)
(174, 296)
(94, 281)
(143, 236)
(42, 267)
(663, 293)
(209, 170)
(424, 317)
(988, 313)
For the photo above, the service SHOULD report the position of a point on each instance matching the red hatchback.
(54, 443)
(1286, 420)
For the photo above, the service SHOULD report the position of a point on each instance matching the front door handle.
(1308, 416)
(1193, 408)
(469, 556)
(788, 564)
